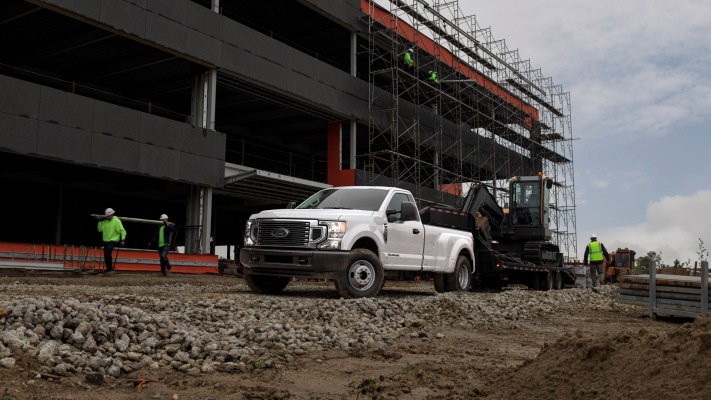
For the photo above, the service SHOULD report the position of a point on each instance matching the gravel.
(116, 330)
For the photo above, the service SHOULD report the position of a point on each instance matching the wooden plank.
(671, 289)
(633, 301)
(662, 295)
(687, 305)
(665, 279)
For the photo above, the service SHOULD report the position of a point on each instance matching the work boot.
(596, 289)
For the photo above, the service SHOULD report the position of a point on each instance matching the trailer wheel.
(558, 280)
(550, 280)
(364, 276)
(266, 284)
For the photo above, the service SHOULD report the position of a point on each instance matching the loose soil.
(621, 354)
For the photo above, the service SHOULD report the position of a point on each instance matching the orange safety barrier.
(92, 258)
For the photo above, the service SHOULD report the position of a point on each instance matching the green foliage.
(643, 262)
(702, 251)
(408, 367)
(371, 385)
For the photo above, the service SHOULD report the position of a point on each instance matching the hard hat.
(109, 211)
(429, 72)
(593, 236)
(163, 216)
(410, 49)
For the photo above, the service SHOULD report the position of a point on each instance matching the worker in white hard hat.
(407, 58)
(113, 234)
(164, 239)
(598, 257)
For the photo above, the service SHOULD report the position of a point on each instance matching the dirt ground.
(620, 354)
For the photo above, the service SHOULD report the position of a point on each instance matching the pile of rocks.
(113, 334)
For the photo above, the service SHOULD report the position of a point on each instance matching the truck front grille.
(283, 233)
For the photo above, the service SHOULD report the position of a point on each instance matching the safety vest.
(595, 251)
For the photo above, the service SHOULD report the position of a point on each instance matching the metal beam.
(63, 45)
(130, 64)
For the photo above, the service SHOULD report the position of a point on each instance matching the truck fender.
(459, 246)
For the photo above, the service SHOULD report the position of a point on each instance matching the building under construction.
(210, 110)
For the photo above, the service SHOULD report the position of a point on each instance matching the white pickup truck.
(353, 236)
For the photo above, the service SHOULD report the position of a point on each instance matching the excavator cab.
(529, 215)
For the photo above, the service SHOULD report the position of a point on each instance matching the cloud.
(634, 68)
(673, 226)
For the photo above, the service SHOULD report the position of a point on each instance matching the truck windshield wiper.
(337, 208)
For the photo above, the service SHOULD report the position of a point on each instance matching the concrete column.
(354, 71)
(192, 221)
(199, 213)
(206, 220)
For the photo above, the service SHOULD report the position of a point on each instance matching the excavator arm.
(480, 200)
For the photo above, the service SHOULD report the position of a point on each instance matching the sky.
(639, 77)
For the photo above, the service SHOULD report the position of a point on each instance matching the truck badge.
(280, 233)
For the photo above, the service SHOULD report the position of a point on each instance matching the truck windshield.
(355, 199)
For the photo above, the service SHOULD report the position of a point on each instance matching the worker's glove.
(121, 243)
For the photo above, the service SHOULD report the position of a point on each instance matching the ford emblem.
(280, 233)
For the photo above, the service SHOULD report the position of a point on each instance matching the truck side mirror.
(408, 211)
(291, 204)
(549, 183)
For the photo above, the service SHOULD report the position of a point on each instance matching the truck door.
(405, 239)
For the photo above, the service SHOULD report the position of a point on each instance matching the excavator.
(512, 245)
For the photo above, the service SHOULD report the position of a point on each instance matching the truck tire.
(440, 283)
(460, 280)
(263, 284)
(549, 283)
(363, 277)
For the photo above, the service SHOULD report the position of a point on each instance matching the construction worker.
(598, 257)
(164, 238)
(409, 63)
(113, 234)
(433, 78)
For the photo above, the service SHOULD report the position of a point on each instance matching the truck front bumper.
(293, 263)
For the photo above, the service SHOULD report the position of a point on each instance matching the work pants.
(597, 274)
(164, 263)
(108, 258)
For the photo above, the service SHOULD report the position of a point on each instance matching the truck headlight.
(248, 236)
(334, 233)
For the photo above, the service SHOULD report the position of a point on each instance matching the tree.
(644, 261)
(702, 252)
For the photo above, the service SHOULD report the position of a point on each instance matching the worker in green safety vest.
(433, 78)
(598, 256)
(409, 62)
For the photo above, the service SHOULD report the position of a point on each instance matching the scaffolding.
(491, 116)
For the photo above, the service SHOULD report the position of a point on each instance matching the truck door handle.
(416, 231)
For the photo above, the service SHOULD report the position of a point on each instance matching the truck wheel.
(364, 276)
(558, 280)
(440, 283)
(458, 281)
(266, 284)
(461, 279)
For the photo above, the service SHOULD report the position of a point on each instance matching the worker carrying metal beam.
(113, 234)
